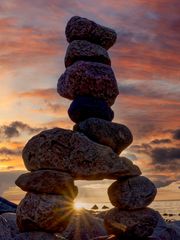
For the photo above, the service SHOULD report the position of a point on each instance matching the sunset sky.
(146, 62)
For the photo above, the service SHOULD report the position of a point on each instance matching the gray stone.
(11, 220)
(44, 212)
(134, 224)
(86, 51)
(5, 231)
(48, 181)
(114, 135)
(84, 226)
(73, 152)
(88, 78)
(132, 193)
(79, 28)
(36, 236)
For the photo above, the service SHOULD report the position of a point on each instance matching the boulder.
(88, 78)
(5, 231)
(114, 135)
(86, 51)
(74, 153)
(84, 226)
(48, 181)
(134, 224)
(79, 28)
(44, 212)
(84, 107)
(132, 193)
(7, 206)
(11, 221)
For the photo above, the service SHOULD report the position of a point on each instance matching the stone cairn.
(57, 157)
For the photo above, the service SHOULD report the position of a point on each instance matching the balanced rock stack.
(57, 157)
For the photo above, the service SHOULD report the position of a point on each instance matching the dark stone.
(114, 135)
(84, 107)
(86, 51)
(79, 28)
(74, 153)
(48, 181)
(135, 224)
(7, 206)
(88, 79)
(132, 193)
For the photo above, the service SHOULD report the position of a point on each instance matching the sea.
(170, 210)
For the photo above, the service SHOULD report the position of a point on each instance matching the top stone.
(79, 28)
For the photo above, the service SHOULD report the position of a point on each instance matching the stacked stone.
(57, 157)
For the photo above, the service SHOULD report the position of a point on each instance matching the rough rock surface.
(73, 152)
(5, 231)
(88, 78)
(11, 221)
(132, 193)
(135, 224)
(84, 107)
(86, 51)
(84, 226)
(114, 135)
(85, 29)
(36, 236)
(44, 212)
(48, 181)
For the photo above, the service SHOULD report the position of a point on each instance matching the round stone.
(88, 79)
(86, 51)
(45, 212)
(74, 153)
(135, 224)
(48, 181)
(114, 135)
(79, 28)
(132, 193)
(84, 107)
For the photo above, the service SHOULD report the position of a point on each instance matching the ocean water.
(170, 210)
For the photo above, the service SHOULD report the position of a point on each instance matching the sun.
(78, 205)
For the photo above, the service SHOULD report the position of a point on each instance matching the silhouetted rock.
(105, 207)
(95, 207)
(7, 206)
(5, 231)
(44, 212)
(84, 107)
(76, 154)
(88, 78)
(134, 224)
(36, 236)
(132, 193)
(84, 227)
(86, 51)
(114, 135)
(48, 181)
(85, 29)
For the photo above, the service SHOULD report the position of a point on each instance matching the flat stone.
(79, 28)
(132, 193)
(134, 224)
(86, 51)
(114, 135)
(5, 231)
(48, 181)
(44, 212)
(84, 226)
(74, 153)
(84, 107)
(88, 79)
